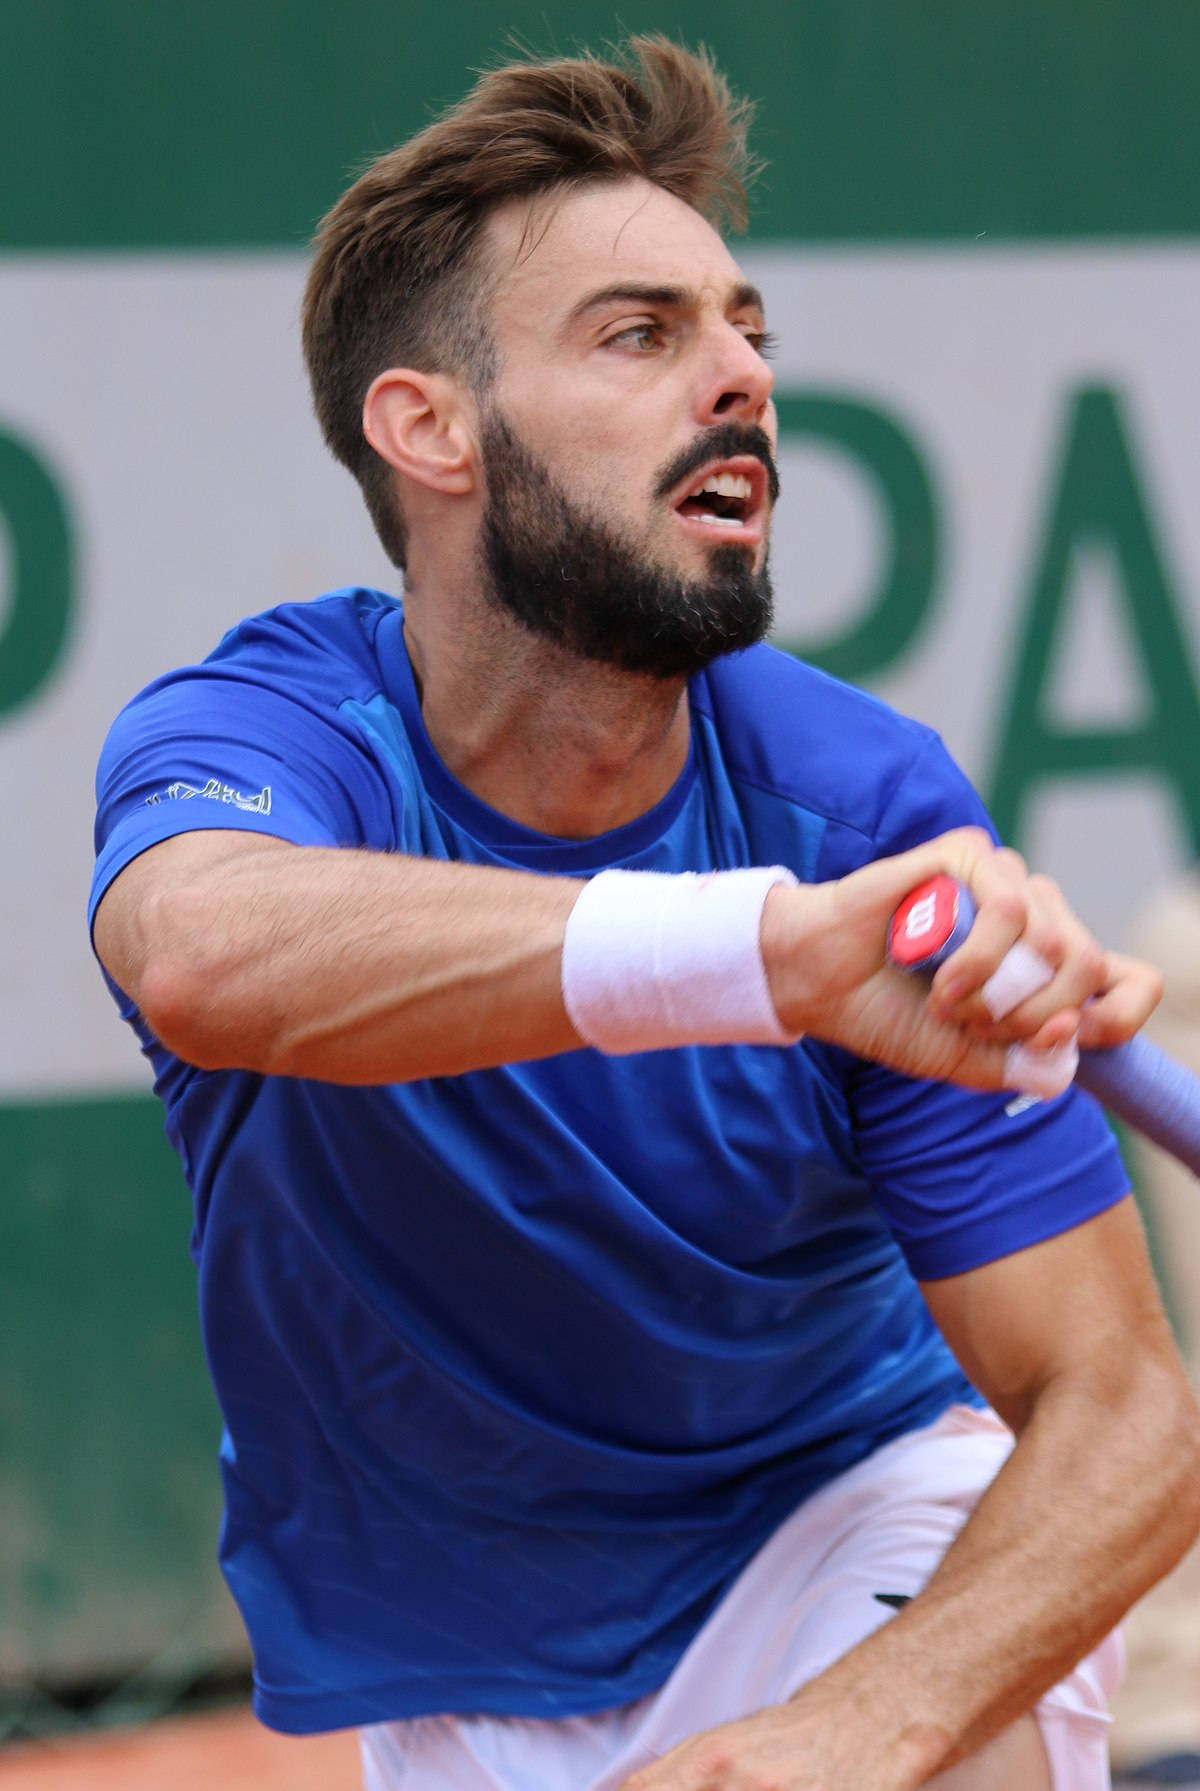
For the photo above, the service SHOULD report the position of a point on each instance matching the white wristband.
(651, 961)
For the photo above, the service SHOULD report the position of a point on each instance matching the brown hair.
(398, 279)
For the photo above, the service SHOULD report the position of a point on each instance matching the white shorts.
(808, 1596)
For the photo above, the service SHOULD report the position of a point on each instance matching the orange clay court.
(225, 1750)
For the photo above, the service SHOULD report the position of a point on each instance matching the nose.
(739, 383)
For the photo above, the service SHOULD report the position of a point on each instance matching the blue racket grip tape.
(1136, 1081)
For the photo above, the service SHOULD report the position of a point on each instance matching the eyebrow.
(743, 296)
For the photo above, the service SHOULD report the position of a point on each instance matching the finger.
(1055, 1010)
(1045, 1018)
(992, 1065)
(958, 987)
(1044, 1073)
(1061, 1029)
(1132, 990)
(997, 964)
(1049, 972)
(877, 888)
(897, 1026)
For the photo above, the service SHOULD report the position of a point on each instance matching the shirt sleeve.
(964, 1178)
(207, 748)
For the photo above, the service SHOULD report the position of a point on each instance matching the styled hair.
(398, 278)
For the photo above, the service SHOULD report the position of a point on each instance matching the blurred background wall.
(978, 237)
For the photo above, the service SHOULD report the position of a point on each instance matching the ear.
(422, 424)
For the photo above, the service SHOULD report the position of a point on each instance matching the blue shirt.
(518, 1368)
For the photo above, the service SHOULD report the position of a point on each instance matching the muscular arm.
(243, 951)
(351, 966)
(1099, 1498)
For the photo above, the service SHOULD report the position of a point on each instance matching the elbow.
(182, 1009)
(197, 996)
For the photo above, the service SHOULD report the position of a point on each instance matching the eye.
(764, 341)
(643, 337)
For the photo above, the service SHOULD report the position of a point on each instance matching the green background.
(137, 125)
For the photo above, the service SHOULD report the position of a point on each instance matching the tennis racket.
(1136, 1081)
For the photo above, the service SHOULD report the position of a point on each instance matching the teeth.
(731, 485)
(722, 522)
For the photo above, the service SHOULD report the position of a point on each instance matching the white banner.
(987, 403)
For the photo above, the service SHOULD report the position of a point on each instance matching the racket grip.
(1150, 1091)
(1136, 1081)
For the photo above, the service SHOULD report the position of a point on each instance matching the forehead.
(548, 253)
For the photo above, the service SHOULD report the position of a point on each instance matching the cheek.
(608, 476)
(602, 456)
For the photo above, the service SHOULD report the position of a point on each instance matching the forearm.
(356, 967)
(1099, 1498)
(366, 967)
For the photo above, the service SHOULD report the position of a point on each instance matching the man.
(584, 1425)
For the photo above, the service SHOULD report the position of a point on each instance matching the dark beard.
(570, 578)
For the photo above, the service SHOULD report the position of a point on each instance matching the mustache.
(725, 441)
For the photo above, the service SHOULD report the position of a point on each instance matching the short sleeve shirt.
(518, 1368)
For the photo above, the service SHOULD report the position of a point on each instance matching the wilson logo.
(921, 917)
(924, 923)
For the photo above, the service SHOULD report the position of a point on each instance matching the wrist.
(794, 940)
(901, 1748)
(651, 960)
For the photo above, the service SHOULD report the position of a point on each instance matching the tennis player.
(622, 1289)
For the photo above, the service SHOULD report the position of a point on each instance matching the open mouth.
(727, 497)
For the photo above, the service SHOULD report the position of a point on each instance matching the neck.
(561, 745)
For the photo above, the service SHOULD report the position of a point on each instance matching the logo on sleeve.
(215, 791)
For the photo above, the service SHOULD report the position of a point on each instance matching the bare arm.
(355, 967)
(358, 967)
(1099, 1498)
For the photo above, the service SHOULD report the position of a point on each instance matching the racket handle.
(1150, 1091)
(1136, 1081)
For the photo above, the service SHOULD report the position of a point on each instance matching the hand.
(824, 951)
(787, 1747)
